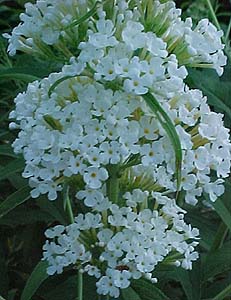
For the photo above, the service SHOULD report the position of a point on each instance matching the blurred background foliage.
(21, 228)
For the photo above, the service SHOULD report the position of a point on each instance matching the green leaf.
(54, 209)
(19, 217)
(129, 294)
(89, 14)
(12, 294)
(223, 212)
(65, 287)
(206, 228)
(6, 150)
(148, 290)
(57, 82)
(60, 290)
(216, 90)
(4, 282)
(223, 294)
(217, 262)
(14, 166)
(16, 74)
(38, 276)
(14, 200)
(190, 281)
(219, 237)
(169, 127)
(214, 287)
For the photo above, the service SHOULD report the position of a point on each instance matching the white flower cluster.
(135, 243)
(193, 47)
(51, 23)
(45, 23)
(84, 128)
(89, 127)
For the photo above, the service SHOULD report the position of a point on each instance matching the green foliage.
(16, 74)
(217, 89)
(169, 127)
(130, 294)
(148, 291)
(23, 220)
(38, 275)
(14, 200)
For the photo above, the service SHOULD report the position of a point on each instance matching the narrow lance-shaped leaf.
(37, 277)
(64, 78)
(6, 150)
(57, 82)
(217, 91)
(14, 166)
(170, 129)
(14, 200)
(129, 294)
(190, 281)
(17, 74)
(217, 262)
(147, 290)
(223, 294)
(223, 212)
(89, 14)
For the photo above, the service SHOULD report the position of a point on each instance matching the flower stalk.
(113, 183)
(67, 202)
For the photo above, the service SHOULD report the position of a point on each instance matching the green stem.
(214, 17)
(113, 183)
(226, 292)
(228, 31)
(80, 286)
(67, 201)
(69, 207)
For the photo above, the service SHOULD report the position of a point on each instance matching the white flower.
(104, 35)
(149, 128)
(110, 152)
(210, 125)
(94, 176)
(188, 181)
(105, 235)
(127, 68)
(136, 85)
(214, 189)
(75, 166)
(105, 286)
(92, 271)
(55, 231)
(191, 195)
(121, 279)
(189, 257)
(146, 262)
(133, 36)
(156, 45)
(152, 154)
(201, 160)
(137, 196)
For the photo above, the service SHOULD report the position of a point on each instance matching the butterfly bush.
(89, 127)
